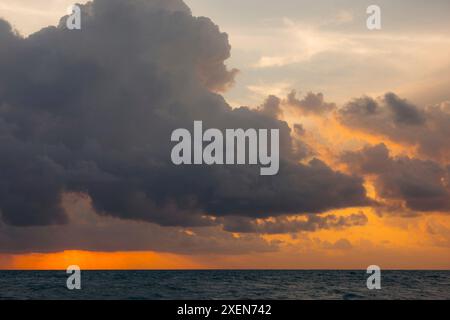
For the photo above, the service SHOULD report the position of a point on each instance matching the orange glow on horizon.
(385, 241)
(90, 260)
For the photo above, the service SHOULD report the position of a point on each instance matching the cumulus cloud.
(399, 120)
(272, 107)
(312, 103)
(422, 185)
(92, 111)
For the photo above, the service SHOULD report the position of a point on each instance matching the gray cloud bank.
(282, 225)
(399, 120)
(423, 185)
(410, 184)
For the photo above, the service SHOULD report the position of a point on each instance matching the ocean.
(225, 285)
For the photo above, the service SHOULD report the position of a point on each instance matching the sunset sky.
(86, 116)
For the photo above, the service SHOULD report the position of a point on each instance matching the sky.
(86, 116)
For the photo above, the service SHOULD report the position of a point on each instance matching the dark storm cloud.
(312, 103)
(281, 225)
(427, 128)
(92, 111)
(402, 111)
(272, 107)
(421, 185)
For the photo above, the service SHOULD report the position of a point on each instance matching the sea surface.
(205, 285)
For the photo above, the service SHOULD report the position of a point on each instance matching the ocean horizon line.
(234, 269)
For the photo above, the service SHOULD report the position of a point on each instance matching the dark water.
(225, 285)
